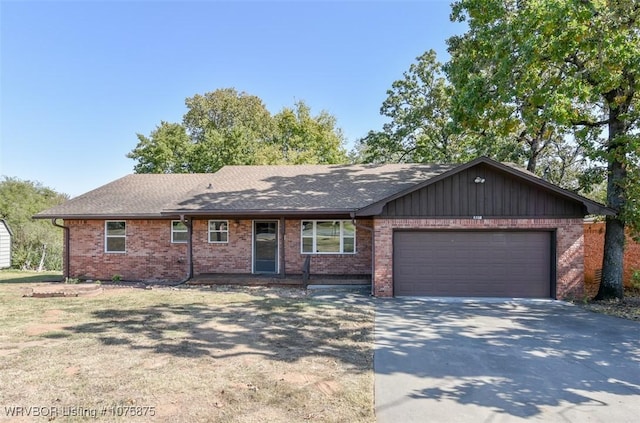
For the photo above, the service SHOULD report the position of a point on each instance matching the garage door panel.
(450, 263)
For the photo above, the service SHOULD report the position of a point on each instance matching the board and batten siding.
(5, 245)
(500, 195)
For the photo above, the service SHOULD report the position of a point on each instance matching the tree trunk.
(612, 284)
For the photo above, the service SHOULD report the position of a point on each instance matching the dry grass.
(223, 355)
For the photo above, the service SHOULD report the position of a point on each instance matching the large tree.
(36, 244)
(573, 66)
(301, 138)
(420, 127)
(168, 149)
(436, 118)
(227, 127)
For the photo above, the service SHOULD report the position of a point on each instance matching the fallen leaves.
(627, 308)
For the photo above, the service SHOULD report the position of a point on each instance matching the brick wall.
(150, 254)
(232, 257)
(569, 238)
(593, 251)
(328, 264)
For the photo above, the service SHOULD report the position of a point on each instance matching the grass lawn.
(189, 354)
(18, 276)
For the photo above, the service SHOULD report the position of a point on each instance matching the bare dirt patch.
(43, 328)
(190, 354)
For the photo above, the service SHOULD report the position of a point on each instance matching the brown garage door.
(472, 264)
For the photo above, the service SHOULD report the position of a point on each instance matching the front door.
(265, 246)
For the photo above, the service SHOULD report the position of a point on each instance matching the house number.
(477, 217)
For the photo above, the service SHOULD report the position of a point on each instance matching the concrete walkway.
(503, 361)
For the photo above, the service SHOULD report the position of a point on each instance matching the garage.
(473, 263)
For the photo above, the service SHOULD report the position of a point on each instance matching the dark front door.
(265, 247)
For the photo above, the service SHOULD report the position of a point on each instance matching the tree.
(420, 127)
(225, 127)
(510, 120)
(305, 139)
(34, 242)
(573, 64)
(168, 149)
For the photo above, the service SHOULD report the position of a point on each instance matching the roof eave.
(100, 216)
(592, 207)
(6, 225)
(258, 212)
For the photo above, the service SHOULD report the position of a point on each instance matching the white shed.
(5, 244)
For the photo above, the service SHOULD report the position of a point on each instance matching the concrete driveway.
(503, 361)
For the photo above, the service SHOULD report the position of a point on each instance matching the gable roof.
(591, 206)
(361, 190)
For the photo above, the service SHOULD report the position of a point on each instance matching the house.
(482, 228)
(5, 244)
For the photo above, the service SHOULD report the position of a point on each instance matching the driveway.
(503, 361)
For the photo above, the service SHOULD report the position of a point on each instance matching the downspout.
(67, 255)
(281, 251)
(373, 249)
(187, 223)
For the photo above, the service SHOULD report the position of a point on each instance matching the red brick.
(151, 256)
(594, 250)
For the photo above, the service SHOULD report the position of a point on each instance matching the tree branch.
(590, 124)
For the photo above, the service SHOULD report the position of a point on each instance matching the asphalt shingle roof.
(303, 188)
(133, 195)
(248, 189)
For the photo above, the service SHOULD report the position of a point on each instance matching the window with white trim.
(218, 231)
(115, 234)
(328, 237)
(179, 232)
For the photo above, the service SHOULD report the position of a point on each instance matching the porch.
(342, 281)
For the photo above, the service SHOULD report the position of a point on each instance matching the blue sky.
(79, 79)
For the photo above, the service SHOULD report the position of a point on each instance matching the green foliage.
(225, 127)
(167, 150)
(635, 279)
(420, 127)
(19, 201)
(499, 97)
(301, 138)
(116, 278)
(559, 68)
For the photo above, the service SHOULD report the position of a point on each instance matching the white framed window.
(179, 232)
(218, 231)
(115, 236)
(328, 237)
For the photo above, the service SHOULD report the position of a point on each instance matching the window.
(328, 237)
(179, 232)
(115, 236)
(218, 231)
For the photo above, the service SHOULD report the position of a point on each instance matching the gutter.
(67, 253)
(187, 223)
(255, 213)
(373, 248)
